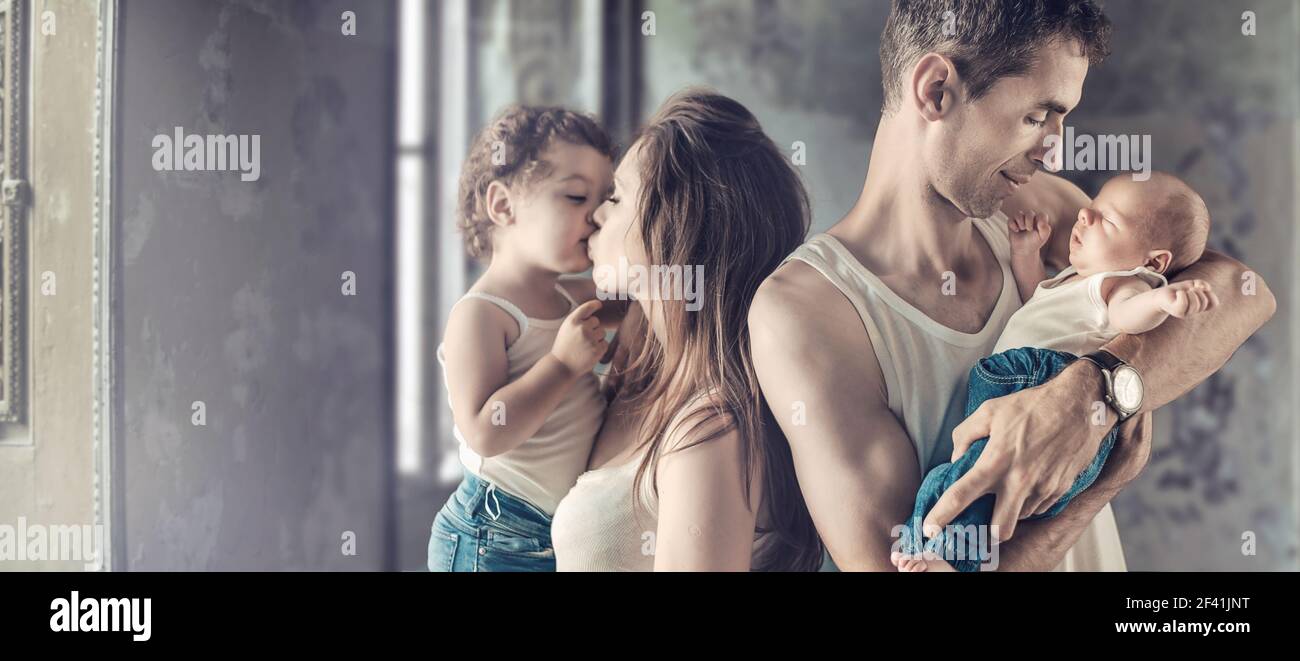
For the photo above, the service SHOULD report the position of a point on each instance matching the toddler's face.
(1108, 234)
(553, 214)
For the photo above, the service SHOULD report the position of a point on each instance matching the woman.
(688, 431)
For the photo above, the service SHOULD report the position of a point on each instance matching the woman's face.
(616, 245)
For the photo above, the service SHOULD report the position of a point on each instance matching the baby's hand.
(1028, 232)
(1183, 299)
(581, 340)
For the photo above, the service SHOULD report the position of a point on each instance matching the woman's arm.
(705, 523)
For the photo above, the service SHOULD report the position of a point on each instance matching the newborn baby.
(1122, 248)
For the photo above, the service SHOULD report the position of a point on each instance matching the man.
(869, 330)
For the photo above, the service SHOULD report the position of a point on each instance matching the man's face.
(983, 151)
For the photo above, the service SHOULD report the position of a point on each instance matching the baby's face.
(1108, 234)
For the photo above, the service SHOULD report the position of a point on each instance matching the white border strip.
(411, 135)
(454, 96)
(102, 377)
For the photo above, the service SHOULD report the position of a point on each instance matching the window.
(13, 195)
(56, 269)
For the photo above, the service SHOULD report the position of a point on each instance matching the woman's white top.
(1070, 316)
(925, 365)
(543, 468)
(597, 528)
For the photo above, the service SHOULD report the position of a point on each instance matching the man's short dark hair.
(986, 39)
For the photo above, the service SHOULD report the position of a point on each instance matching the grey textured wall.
(1221, 108)
(231, 290)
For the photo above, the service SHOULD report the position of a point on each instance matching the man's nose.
(1046, 157)
(1048, 154)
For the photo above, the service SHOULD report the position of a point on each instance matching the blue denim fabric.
(482, 528)
(992, 377)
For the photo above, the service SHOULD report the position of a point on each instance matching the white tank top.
(1070, 317)
(543, 468)
(596, 527)
(925, 364)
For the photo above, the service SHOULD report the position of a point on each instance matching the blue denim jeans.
(992, 377)
(482, 528)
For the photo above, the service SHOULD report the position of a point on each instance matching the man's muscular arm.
(855, 463)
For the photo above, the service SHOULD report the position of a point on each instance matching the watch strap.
(1104, 359)
(1109, 362)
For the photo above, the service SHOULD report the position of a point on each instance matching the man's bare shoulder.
(798, 315)
(796, 298)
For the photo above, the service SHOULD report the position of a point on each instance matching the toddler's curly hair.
(509, 150)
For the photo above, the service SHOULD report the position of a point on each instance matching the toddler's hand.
(1183, 299)
(1028, 232)
(581, 340)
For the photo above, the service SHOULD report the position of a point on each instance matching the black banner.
(177, 611)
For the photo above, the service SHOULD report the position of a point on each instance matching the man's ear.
(500, 207)
(934, 86)
(1159, 260)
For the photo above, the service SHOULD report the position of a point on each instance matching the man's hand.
(1036, 540)
(1040, 439)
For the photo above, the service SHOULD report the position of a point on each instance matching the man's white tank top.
(543, 468)
(925, 365)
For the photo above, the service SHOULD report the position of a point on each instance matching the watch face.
(1128, 388)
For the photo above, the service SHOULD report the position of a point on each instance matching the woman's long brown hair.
(717, 192)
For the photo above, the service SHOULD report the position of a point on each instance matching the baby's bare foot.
(898, 559)
(903, 561)
(907, 563)
(935, 562)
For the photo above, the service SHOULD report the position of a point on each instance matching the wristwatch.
(1124, 391)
